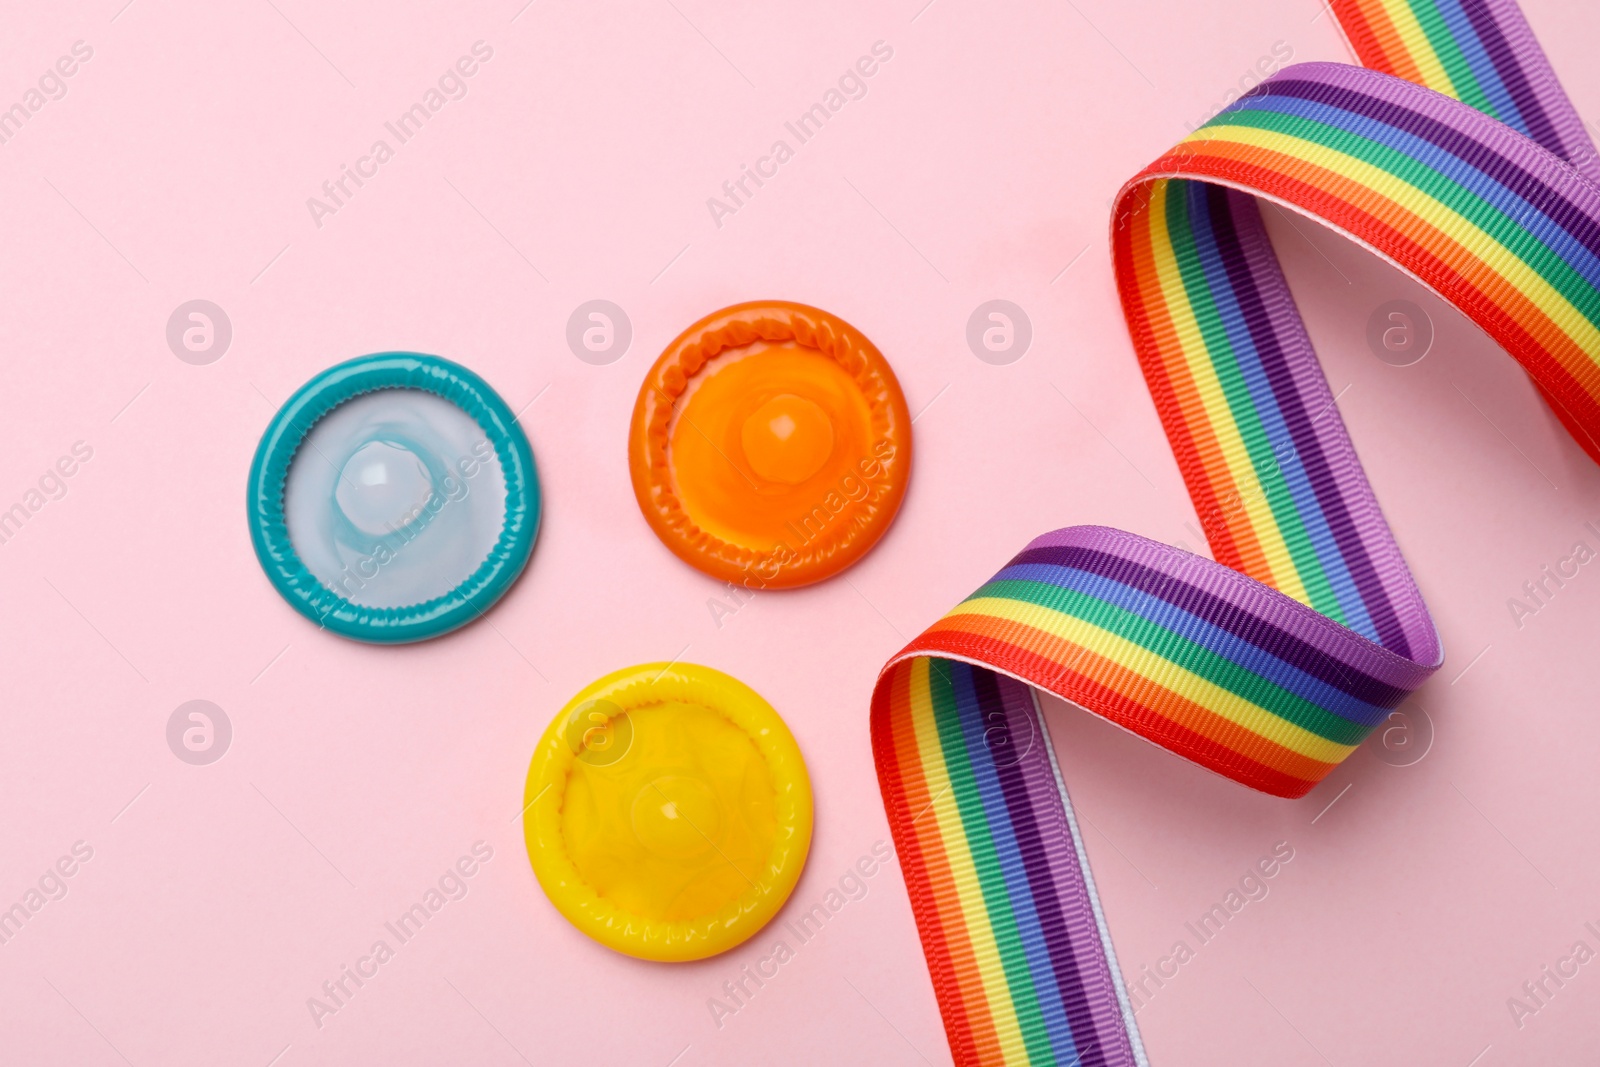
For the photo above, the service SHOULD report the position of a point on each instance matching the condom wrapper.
(770, 445)
(668, 811)
(393, 498)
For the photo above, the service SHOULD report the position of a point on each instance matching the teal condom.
(393, 498)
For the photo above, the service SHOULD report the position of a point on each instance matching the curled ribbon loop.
(1455, 156)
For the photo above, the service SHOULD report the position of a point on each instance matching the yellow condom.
(668, 811)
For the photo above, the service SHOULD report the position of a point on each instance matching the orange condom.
(770, 445)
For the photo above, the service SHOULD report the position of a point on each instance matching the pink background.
(979, 165)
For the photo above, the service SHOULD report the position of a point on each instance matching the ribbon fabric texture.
(1453, 154)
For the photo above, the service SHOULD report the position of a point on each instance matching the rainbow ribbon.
(1455, 155)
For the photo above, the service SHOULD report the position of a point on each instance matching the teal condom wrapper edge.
(269, 471)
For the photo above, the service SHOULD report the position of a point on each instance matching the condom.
(393, 498)
(770, 445)
(667, 812)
